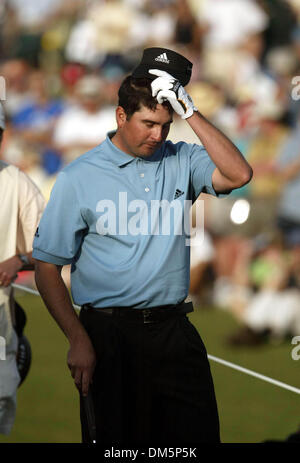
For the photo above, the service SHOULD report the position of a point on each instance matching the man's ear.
(120, 116)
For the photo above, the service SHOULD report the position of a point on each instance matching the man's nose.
(156, 134)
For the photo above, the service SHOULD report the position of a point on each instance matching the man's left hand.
(8, 270)
(167, 88)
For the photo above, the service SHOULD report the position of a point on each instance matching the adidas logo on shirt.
(162, 58)
(178, 193)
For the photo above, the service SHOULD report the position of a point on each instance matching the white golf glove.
(167, 88)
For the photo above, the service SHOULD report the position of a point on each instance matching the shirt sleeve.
(202, 168)
(61, 229)
(31, 204)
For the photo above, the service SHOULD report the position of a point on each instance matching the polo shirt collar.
(120, 158)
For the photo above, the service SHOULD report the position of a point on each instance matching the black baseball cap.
(165, 60)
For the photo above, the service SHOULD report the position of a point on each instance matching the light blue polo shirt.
(119, 221)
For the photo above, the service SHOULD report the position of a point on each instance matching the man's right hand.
(82, 362)
(55, 294)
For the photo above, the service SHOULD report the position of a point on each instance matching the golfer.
(133, 346)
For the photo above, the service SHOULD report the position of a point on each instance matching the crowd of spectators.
(63, 62)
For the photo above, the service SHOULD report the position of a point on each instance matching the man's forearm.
(57, 299)
(81, 356)
(234, 171)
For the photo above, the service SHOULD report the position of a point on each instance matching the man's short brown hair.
(135, 93)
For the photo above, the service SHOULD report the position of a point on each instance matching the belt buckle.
(146, 315)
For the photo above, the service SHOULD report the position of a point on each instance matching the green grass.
(250, 410)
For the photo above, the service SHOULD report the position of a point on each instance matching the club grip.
(90, 416)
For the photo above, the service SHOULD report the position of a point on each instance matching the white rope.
(211, 357)
(24, 288)
(253, 373)
(35, 293)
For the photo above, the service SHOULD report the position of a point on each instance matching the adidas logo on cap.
(162, 58)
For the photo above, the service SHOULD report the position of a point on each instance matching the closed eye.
(151, 124)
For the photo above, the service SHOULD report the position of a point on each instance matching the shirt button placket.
(142, 176)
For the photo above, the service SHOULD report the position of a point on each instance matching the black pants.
(152, 383)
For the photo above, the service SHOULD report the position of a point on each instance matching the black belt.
(150, 315)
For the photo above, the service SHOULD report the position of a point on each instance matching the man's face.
(144, 132)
